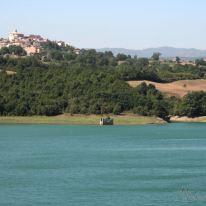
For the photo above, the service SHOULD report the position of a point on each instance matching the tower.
(15, 35)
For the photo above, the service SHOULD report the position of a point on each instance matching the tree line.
(58, 80)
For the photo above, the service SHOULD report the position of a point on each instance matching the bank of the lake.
(67, 119)
(188, 119)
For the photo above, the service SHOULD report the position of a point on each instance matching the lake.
(150, 165)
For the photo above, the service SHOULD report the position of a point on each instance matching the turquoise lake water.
(152, 165)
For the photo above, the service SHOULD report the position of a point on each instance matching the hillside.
(177, 88)
(167, 52)
(58, 81)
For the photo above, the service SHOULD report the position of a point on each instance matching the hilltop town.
(30, 43)
(33, 44)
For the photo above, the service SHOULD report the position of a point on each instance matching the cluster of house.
(31, 43)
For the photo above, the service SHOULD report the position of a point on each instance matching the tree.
(142, 88)
(200, 62)
(143, 62)
(177, 60)
(1, 105)
(16, 50)
(193, 105)
(4, 50)
(56, 55)
(156, 56)
(117, 109)
(121, 57)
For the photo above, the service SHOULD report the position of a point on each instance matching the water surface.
(97, 166)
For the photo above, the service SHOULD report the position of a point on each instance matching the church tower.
(15, 36)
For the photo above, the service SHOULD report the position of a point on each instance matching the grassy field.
(125, 119)
(177, 88)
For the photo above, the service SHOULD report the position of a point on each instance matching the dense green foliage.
(58, 80)
(200, 62)
(192, 105)
(12, 50)
(39, 89)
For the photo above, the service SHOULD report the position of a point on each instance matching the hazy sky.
(133, 24)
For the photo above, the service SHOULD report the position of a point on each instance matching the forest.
(57, 80)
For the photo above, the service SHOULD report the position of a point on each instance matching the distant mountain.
(167, 52)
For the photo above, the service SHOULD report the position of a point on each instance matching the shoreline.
(67, 119)
(78, 119)
(176, 119)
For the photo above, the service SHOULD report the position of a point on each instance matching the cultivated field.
(177, 88)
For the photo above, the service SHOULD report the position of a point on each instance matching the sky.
(132, 24)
